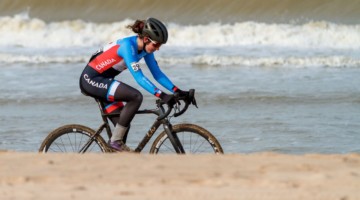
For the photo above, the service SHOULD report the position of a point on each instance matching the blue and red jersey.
(123, 54)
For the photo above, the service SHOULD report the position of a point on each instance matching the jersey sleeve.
(127, 52)
(158, 75)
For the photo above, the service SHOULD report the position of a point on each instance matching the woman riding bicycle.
(97, 79)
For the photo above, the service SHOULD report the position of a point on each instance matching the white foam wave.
(293, 62)
(37, 59)
(202, 60)
(31, 40)
(22, 31)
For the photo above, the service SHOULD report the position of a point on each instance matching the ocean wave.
(313, 44)
(38, 59)
(23, 31)
(202, 60)
(299, 62)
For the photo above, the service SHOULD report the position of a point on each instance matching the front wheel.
(195, 140)
(73, 138)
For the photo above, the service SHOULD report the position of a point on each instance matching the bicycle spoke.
(80, 143)
(63, 146)
(169, 147)
(202, 143)
(70, 142)
(92, 147)
(73, 142)
(52, 150)
(192, 142)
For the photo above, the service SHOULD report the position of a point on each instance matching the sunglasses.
(155, 44)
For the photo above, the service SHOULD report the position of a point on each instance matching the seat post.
(101, 105)
(104, 117)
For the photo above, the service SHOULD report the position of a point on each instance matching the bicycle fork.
(174, 139)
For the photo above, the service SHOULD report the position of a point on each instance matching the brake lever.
(177, 107)
(176, 97)
(193, 102)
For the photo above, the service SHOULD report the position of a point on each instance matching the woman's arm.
(127, 52)
(158, 75)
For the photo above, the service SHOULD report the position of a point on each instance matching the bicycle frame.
(165, 122)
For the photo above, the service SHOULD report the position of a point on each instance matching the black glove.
(186, 95)
(183, 93)
(168, 99)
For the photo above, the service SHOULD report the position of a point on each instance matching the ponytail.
(137, 27)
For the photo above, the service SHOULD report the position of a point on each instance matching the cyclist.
(97, 79)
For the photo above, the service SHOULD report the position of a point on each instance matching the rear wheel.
(195, 140)
(73, 138)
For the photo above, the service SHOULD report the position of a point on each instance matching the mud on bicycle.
(180, 138)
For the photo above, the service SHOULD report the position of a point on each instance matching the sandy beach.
(128, 176)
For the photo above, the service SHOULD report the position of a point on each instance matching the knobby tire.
(195, 140)
(71, 138)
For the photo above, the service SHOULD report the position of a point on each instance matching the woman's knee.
(137, 97)
(128, 94)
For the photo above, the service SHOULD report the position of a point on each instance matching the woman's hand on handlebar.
(187, 96)
(168, 99)
(171, 100)
(183, 94)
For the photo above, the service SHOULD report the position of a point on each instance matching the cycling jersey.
(97, 79)
(123, 54)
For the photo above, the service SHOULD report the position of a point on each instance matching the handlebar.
(187, 100)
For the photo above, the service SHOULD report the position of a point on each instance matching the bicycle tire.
(71, 138)
(186, 133)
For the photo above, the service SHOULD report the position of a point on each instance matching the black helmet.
(156, 30)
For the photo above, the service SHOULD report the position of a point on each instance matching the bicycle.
(180, 138)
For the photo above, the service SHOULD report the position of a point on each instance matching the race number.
(135, 66)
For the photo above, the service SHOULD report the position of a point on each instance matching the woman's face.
(152, 45)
